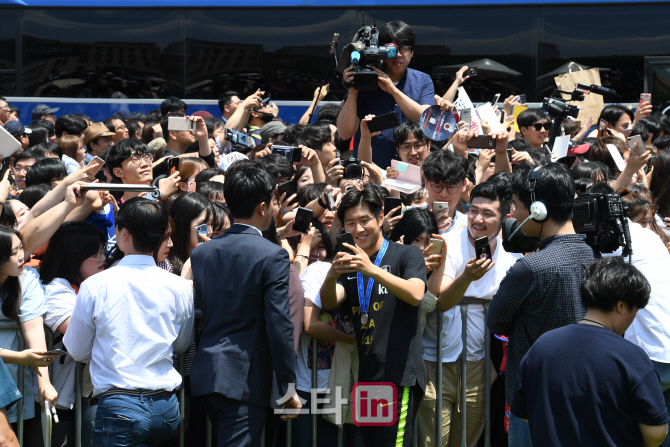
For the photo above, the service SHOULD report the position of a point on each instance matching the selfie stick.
(120, 187)
(333, 51)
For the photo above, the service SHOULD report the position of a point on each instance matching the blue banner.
(294, 3)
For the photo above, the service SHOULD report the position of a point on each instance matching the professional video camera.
(560, 109)
(602, 218)
(365, 53)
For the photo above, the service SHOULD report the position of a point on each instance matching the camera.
(559, 108)
(352, 168)
(602, 218)
(365, 53)
(238, 140)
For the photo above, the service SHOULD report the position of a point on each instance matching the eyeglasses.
(438, 187)
(404, 50)
(539, 126)
(100, 257)
(407, 148)
(19, 169)
(137, 159)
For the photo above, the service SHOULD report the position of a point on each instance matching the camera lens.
(354, 171)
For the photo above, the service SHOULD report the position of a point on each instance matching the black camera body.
(352, 168)
(602, 218)
(238, 140)
(559, 109)
(364, 53)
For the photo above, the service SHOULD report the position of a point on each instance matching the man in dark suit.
(241, 285)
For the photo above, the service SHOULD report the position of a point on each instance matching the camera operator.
(540, 291)
(402, 90)
(583, 384)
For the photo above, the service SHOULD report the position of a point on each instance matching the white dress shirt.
(127, 320)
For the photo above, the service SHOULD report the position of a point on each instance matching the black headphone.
(538, 210)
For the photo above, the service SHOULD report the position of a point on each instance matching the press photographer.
(403, 91)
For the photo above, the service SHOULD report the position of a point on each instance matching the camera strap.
(364, 298)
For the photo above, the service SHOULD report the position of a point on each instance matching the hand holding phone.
(382, 122)
(482, 142)
(436, 249)
(303, 219)
(482, 248)
(201, 230)
(641, 148)
(56, 353)
(342, 239)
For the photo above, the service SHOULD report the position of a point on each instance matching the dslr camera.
(559, 109)
(352, 168)
(365, 53)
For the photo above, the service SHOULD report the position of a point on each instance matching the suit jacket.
(241, 284)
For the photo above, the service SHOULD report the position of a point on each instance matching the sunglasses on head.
(539, 126)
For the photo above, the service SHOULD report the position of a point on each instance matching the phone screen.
(173, 165)
(482, 248)
(201, 230)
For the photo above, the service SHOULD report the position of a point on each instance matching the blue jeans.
(145, 421)
(519, 432)
(663, 370)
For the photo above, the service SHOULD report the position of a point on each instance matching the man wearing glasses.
(445, 173)
(22, 163)
(534, 127)
(130, 161)
(404, 91)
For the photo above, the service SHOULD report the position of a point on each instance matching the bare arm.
(33, 332)
(347, 120)
(318, 329)
(453, 89)
(653, 435)
(332, 293)
(319, 94)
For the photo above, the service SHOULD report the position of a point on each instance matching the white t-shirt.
(312, 279)
(650, 329)
(460, 251)
(459, 221)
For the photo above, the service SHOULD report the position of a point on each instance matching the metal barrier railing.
(4, 325)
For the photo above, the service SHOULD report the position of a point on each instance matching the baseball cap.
(579, 150)
(125, 115)
(156, 144)
(42, 110)
(96, 130)
(271, 129)
(202, 114)
(16, 128)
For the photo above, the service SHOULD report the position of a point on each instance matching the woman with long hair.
(75, 252)
(188, 211)
(22, 300)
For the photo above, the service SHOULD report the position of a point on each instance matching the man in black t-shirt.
(386, 312)
(584, 384)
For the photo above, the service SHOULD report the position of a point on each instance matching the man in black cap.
(19, 132)
(45, 112)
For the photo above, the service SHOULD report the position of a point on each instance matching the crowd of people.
(580, 344)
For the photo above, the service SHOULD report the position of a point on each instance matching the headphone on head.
(538, 210)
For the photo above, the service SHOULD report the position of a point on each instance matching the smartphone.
(292, 154)
(641, 149)
(495, 99)
(482, 142)
(391, 203)
(303, 218)
(509, 155)
(330, 199)
(466, 115)
(236, 137)
(180, 124)
(502, 116)
(288, 188)
(56, 352)
(439, 206)
(602, 125)
(522, 99)
(482, 248)
(342, 239)
(471, 71)
(98, 160)
(382, 122)
(437, 246)
(173, 165)
(645, 97)
(201, 230)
